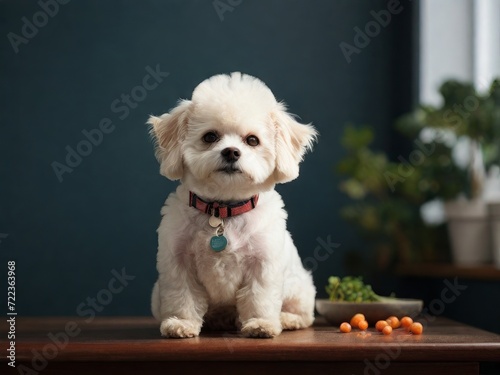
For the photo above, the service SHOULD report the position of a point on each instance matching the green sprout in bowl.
(350, 289)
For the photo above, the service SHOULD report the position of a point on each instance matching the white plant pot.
(494, 211)
(469, 231)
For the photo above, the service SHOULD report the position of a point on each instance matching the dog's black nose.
(231, 154)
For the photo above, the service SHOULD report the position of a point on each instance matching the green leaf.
(356, 138)
(353, 188)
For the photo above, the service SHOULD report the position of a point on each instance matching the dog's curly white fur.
(258, 283)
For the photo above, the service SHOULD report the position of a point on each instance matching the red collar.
(221, 209)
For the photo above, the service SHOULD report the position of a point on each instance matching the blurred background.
(402, 93)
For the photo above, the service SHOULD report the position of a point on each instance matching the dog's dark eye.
(210, 137)
(252, 140)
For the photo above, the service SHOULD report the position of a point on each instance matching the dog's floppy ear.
(169, 130)
(292, 141)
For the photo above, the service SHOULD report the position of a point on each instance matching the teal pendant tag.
(218, 243)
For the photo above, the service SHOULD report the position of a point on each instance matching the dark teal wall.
(68, 236)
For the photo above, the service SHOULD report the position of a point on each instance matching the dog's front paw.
(179, 328)
(291, 321)
(260, 328)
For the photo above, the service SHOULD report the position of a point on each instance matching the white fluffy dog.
(225, 259)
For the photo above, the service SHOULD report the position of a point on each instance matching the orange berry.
(387, 330)
(363, 325)
(345, 327)
(356, 319)
(393, 321)
(406, 321)
(380, 325)
(416, 328)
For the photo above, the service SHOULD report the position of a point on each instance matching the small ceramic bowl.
(338, 312)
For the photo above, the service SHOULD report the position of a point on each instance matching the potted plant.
(398, 204)
(469, 123)
(387, 197)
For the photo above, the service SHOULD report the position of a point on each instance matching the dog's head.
(231, 140)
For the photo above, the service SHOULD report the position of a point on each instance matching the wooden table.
(132, 345)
